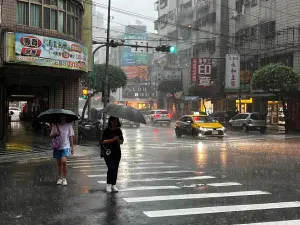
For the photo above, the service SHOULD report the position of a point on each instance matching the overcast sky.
(143, 7)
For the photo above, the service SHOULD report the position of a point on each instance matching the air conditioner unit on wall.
(234, 14)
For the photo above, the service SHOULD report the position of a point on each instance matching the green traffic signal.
(172, 49)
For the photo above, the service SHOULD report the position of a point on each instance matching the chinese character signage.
(132, 58)
(51, 52)
(201, 71)
(137, 91)
(232, 76)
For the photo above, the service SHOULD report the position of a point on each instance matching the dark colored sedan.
(223, 116)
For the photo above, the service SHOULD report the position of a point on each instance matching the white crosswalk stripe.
(195, 196)
(287, 222)
(148, 173)
(179, 188)
(221, 209)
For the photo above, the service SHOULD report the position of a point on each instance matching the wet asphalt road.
(243, 179)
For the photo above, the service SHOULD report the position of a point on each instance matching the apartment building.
(199, 29)
(265, 31)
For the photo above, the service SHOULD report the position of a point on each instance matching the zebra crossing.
(166, 190)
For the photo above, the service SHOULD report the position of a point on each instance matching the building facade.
(199, 29)
(43, 57)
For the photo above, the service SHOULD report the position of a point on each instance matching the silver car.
(159, 116)
(249, 121)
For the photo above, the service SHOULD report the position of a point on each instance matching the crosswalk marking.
(221, 209)
(97, 162)
(148, 173)
(136, 168)
(286, 222)
(142, 188)
(224, 184)
(165, 179)
(195, 196)
(103, 165)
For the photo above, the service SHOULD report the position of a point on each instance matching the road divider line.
(143, 188)
(221, 209)
(195, 196)
(148, 173)
(284, 222)
(165, 179)
(224, 184)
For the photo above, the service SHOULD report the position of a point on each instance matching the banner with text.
(232, 73)
(201, 69)
(138, 91)
(130, 58)
(47, 51)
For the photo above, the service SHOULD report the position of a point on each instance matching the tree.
(117, 78)
(170, 87)
(279, 80)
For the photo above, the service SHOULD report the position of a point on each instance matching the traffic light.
(85, 93)
(166, 48)
(114, 43)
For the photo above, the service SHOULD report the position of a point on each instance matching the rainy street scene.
(168, 112)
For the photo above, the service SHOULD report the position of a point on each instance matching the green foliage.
(170, 86)
(276, 79)
(117, 78)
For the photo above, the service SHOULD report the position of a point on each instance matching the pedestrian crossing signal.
(85, 93)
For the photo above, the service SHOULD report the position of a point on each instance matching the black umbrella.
(52, 116)
(124, 112)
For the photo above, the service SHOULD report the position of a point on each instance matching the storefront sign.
(134, 72)
(232, 76)
(201, 71)
(191, 98)
(132, 58)
(51, 52)
(137, 91)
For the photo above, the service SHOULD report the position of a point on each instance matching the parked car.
(199, 126)
(159, 116)
(15, 113)
(130, 123)
(249, 122)
(223, 116)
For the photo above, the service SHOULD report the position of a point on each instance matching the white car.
(15, 113)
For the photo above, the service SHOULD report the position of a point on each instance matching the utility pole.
(106, 84)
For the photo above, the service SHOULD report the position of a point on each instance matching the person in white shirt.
(66, 136)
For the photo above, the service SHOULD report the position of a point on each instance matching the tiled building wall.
(65, 94)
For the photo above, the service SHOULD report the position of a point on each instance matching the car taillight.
(156, 115)
(168, 115)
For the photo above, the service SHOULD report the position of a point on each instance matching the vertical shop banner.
(130, 58)
(201, 69)
(232, 73)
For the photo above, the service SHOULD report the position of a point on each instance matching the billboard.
(38, 50)
(134, 72)
(201, 69)
(131, 58)
(232, 73)
(137, 91)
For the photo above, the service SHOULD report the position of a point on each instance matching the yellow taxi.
(199, 126)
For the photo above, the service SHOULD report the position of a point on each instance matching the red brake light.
(156, 115)
(168, 115)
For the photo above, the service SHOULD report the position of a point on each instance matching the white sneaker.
(114, 188)
(59, 181)
(64, 182)
(108, 188)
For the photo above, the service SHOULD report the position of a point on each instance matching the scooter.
(89, 130)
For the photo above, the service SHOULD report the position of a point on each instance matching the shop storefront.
(245, 105)
(275, 113)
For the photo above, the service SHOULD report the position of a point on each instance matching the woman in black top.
(112, 138)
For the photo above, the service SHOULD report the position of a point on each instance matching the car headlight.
(202, 128)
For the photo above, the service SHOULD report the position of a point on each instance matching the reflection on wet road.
(247, 178)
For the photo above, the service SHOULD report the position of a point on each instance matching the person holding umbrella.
(112, 138)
